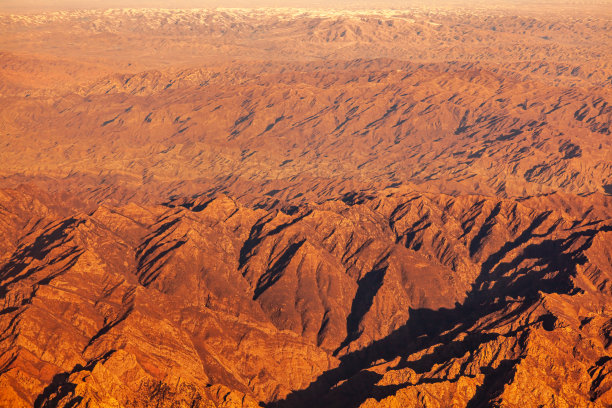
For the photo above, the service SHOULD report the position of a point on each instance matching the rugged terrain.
(298, 208)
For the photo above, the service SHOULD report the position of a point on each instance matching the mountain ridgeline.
(306, 208)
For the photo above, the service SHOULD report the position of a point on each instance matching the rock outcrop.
(304, 208)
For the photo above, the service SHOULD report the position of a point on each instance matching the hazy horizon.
(50, 5)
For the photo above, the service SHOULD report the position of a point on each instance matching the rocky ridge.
(402, 295)
(297, 208)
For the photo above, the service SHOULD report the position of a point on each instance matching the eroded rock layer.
(300, 208)
(389, 298)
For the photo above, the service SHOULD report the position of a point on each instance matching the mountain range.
(306, 208)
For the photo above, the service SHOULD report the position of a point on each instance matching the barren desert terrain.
(300, 207)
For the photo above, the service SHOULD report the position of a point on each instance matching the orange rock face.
(305, 208)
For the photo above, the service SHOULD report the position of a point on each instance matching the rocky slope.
(395, 297)
(316, 127)
(295, 105)
(297, 208)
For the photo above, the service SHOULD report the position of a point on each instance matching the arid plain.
(307, 208)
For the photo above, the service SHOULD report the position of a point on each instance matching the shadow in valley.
(500, 287)
(61, 388)
(19, 265)
(367, 289)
